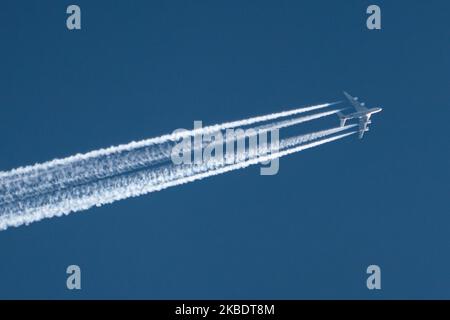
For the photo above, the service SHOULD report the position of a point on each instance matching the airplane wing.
(354, 101)
(363, 122)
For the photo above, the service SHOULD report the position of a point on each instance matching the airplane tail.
(342, 118)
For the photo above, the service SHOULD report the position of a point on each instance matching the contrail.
(244, 164)
(132, 184)
(51, 177)
(163, 139)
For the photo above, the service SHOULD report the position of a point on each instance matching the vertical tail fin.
(342, 118)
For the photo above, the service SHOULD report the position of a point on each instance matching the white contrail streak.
(52, 177)
(162, 139)
(103, 191)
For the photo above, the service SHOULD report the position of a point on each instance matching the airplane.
(362, 113)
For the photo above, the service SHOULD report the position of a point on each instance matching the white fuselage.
(366, 113)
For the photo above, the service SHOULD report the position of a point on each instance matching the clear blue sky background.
(138, 69)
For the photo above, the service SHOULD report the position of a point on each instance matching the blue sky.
(140, 69)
